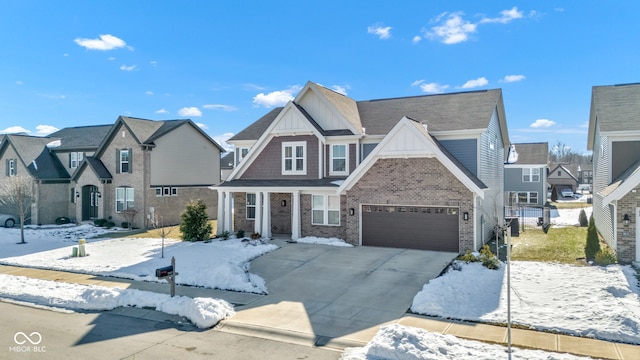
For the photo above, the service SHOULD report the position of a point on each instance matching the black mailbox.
(164, 271)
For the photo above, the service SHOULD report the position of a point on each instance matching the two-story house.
(525, 181)
(91, 172)
(32, 156)
(614, 138)
(561, 177)
(421, 172)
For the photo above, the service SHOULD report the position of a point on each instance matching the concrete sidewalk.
(258, 327)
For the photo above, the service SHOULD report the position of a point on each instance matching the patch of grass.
(569, 205)
(562, 244)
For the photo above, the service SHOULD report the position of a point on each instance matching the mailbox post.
(169, 273)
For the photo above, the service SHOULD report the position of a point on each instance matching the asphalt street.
(32, 333)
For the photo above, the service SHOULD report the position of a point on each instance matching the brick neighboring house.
(30, 156)
(614, 138)
(91, 172)
(525, 181)
(421, 172)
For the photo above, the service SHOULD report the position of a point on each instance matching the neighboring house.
(92, 172)
(585, 174)
(614, 138)
(226, 165)
(421, 172)
(525, 181)
(561, 178)
(30, 156)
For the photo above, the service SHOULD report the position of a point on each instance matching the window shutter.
(117, 161)
(7, 167)
(69, 160)
(15, 166)
(130, 160)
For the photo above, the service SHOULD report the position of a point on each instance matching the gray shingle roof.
(81, 137)
(32, 149)
(345, 105)
(255, 130)
(616, 107)
(226, 162)
(625, 176)
(532, 153)
(441, 112)
(98, 168)
(142, 129)
(47, 166)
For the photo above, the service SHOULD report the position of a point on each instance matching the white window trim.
(247, 206)
(325, 210)
(528, 202)
(293, 145)
(123, 151)
(346, 160)
(166, 191)
(240, 155)
(529, 172)
(125, 198)
(12, 167)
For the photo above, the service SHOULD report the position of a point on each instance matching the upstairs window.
(294, 158)
(11, 167)
(123, 161)
(75, 158)
(339, 160)
(242, 153)
(531, 175)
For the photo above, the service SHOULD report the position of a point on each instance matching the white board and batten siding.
(325, 116)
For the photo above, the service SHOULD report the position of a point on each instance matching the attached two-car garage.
(413, 227)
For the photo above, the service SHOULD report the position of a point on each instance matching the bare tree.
(129, 215)
(158, 223)
(16, 195)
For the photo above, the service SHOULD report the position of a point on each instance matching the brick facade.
(626, 235)
(414, 181)
(326, 231)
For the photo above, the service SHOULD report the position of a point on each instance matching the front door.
(90, 199)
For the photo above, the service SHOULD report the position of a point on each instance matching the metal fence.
(528, 216)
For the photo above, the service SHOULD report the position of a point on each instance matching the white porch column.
(257, 226)
(266, 215)
(221, 212)
(228, 211)
(295, 215)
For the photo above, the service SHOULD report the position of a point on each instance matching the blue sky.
(223, 64)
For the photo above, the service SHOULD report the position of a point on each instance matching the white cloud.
(430, 88)
(481, 81)
(19, 82)
(14, 130)
(416, 39)
(506, 16)
(154, 63)
(161, 111)
(220, 107)
(379, 31)
(202, 126)
(542, 123)
(253, 87)
(111, 58)
(453, 30)
(105, 42)
(276, 98)
(341, 89)
(190, 111)
(128, 68)
(148, 92)
(45, 129)
(513, 78)
(222, 140)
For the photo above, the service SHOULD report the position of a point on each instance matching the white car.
(566, 193)
(7, 220)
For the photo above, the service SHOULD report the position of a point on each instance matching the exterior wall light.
(352, 211)
(626, 220)
(465, 216)
(284, 202)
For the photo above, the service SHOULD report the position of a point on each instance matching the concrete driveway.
(331, 296)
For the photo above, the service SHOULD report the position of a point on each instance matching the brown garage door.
(412, 227)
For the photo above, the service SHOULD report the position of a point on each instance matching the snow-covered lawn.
(203, 312)
(568, 217)
(219, 264)
(592, 301)
(402, 342)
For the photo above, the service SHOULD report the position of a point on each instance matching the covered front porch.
(263, 211)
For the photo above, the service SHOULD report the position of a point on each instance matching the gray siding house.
(614, 138)
(525, 181)
(422, 172)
